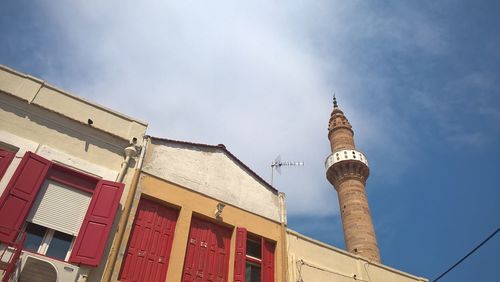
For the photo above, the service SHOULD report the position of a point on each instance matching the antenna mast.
(277, 164)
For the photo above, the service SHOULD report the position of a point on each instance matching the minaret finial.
(335, 101)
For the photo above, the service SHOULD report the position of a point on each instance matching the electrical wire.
(301, 262)
(467, 255)
(367, 272)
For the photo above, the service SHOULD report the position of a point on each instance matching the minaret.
(347, 170)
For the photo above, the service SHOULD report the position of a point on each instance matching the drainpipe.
(281, 197)
(129, 152)
(113, 254)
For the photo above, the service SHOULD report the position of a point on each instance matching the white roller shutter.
(60, 207)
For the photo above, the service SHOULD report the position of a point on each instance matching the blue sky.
(419, 81)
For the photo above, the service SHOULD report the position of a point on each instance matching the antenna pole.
(278, 163)
(272, 174)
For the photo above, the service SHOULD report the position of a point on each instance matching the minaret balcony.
(344, 164)
(345, 155)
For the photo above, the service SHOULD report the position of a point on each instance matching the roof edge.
(64, 92)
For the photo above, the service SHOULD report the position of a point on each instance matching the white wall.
(40, 118)
(210, 171)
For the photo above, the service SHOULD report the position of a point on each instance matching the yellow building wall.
(190, 203)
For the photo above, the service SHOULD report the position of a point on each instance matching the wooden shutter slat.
(93, 235)
(241, 252)
(18, 197)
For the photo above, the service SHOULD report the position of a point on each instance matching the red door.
(150, 243)
(207, 254)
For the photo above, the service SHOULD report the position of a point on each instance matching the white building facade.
(63, 179)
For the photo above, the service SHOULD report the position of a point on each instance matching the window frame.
(46, 241)
(74, 179)
(254, 264)
(249, 259)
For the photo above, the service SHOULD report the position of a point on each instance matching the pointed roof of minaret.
(337, 118)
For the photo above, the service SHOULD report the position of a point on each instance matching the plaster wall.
(37, 92)
(45, 127)
(210, 171)
(25, 127)
(311, 260)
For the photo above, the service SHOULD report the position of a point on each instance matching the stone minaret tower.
(347, 170)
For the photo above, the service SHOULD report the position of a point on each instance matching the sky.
(418, 80)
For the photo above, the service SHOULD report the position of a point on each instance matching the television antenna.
(278, 163)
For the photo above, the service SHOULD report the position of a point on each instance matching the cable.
(467, 255)
(301, 262)
(366, 269)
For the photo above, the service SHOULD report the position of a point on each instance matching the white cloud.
(257, 76)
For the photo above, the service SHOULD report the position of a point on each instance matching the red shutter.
(240, 257)
(18, 197)
(93, 235)
(218, 257)
(5, 159)
(267, 261)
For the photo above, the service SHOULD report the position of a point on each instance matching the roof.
(222, 148)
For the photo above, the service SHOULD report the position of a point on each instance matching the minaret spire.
(347, 170)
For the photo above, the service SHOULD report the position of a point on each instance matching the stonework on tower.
(347, 170)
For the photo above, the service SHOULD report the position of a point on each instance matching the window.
(254, 259)
(254, 249)
(59, 245)
(252, 272)
(46, 241)
(58, 220)
(55, 218)
(34, 237)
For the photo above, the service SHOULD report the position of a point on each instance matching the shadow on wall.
(63, 125)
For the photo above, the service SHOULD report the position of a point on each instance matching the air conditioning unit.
(36, 268)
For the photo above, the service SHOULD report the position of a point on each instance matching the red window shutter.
(5, 159)
(267, 261)
(218, 258)
(192, 251)
(240, 257)
(18, 197)
(93, 235)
